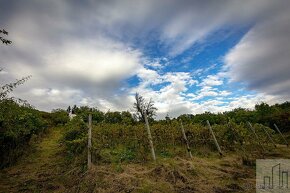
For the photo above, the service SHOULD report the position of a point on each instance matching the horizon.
(132, 111)
(190, 57)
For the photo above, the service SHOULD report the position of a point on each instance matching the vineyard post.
(214, 138)
(250, 126)
(149, 136)
(185, 139)
(90, 142)
(276, 127)
(270, 138)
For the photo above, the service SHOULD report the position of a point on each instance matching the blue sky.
(188, 56)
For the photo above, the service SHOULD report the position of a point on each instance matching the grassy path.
(40, 171)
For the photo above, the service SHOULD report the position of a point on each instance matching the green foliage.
(113, 117)
(59, 117)
(75, 136)
(141, 107)
(116, 143)
(99, 116)
(265, 114)
(84, 111)
(18, 123)
(117, 154)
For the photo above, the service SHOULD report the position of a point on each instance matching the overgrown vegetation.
(118, 137)
(75, 139)
(115, 143)
(263, 114)
(18, 125)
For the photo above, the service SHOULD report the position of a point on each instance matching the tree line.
(263, 113)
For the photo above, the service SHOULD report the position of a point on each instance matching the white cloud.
(93, 62)
(211, 80)
(225, 93)
(85, 58)
(261, 58)
(169, 98)
(208, 91)
(197, 19)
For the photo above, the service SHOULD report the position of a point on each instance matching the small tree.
(68, 109)
(4, 41)
(9, 87)
(74, 109)
(142, 106)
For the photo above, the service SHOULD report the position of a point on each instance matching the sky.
(188, 56)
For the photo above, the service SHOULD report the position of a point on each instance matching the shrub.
(18, 123)
(75, 136)
(59, 117)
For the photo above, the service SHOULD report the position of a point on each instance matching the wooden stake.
(186, 141)
(215, 141)
(276, 127)
(149, 136)
(269, 137)
(90, 142)
(250, 126)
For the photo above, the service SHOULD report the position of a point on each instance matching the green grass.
(37, 171)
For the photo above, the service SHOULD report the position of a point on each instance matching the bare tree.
(141, 106)
(9, 87)
(4, 41)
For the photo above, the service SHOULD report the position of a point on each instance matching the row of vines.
(115, 143)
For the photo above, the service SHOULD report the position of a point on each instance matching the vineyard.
(201, 153)
(114, 143)
(124, 147)
(144, 96)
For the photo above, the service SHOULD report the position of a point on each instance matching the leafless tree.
(4, 40)
(141, 106)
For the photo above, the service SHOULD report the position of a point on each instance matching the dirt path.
(40, 171)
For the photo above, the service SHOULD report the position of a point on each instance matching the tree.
(113, 117)
(141, 106)
(59, 117)
(4, 41)
(9, 87)
(68, 109)
(167, 118)
(74, 109)
(127, 117)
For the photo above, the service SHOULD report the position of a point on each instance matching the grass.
(39, 170)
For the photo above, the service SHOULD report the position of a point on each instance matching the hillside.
(47, 152)
(45, 169)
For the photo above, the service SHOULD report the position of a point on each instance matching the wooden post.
(269, 137)
(250, 126)
(149, 136)
(186, 141)
(215, 141)
(276, 127)
(90, 142)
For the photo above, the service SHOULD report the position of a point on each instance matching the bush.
(59, 117)
(18, 123)
(75, 136)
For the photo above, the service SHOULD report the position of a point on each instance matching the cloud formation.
(83, 52)
(261, 58)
